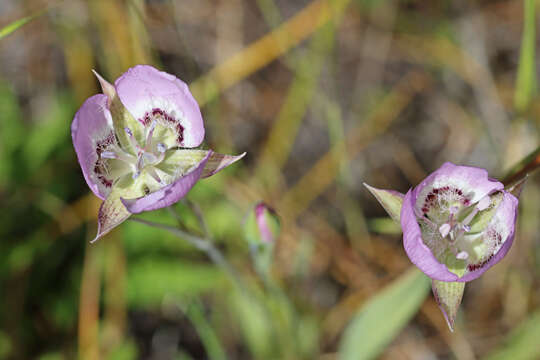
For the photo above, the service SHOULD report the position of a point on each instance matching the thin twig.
(524, 167)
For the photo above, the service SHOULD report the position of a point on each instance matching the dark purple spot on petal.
(166, 120)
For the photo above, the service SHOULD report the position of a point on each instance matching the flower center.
(144, 157)
(456, 224)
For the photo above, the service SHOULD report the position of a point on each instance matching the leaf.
(381, 319)
(526, 78)
(151, 279)
(209, 338)
(255, 325)
(390, 200)
(50, 132)
(11, 132)
(522, 343)
(11, 27)
(384, 225)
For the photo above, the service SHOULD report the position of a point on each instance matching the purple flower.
(456, 224)
(136, 144)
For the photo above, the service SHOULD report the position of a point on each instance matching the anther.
(444, 229)
(462, 255)
(132, 139)
(109, 155)
(161, 147)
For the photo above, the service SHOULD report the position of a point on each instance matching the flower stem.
(524, 167)
(202, 244)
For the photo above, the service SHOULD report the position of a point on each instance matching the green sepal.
(391, 201)
(517, 187)
(121, 117)
(448, 296)
(112, 212)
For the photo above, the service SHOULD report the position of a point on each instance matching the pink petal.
(91, 126)
(144, 90)
(416, 250)
(472, 181)
(169, 194)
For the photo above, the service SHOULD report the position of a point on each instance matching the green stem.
(524, 167)
(202, 244)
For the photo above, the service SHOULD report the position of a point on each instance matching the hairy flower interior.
(457, 231)
(149, 159)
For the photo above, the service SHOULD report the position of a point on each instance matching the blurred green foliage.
(380, 92)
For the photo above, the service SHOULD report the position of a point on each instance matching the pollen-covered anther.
(133, 142)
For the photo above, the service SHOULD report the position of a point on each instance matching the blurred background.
(323, 96)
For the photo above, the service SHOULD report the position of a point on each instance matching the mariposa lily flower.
(136, 144)
(456, 224)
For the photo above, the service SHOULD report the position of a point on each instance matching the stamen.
(118, 154)
(152, 172)
(132, 139)
(444, 229)
(109, 155)
(148, 144)
(138, 167)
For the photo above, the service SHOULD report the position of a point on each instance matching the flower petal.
(91, 130)
(416, 250)
(169, 194)
(498, 237)
(473, 184)
(145, 91)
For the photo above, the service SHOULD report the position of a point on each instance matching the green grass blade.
(208, 336)
(526, 77)
(11, 27)
(522, 343)
(381, 319)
